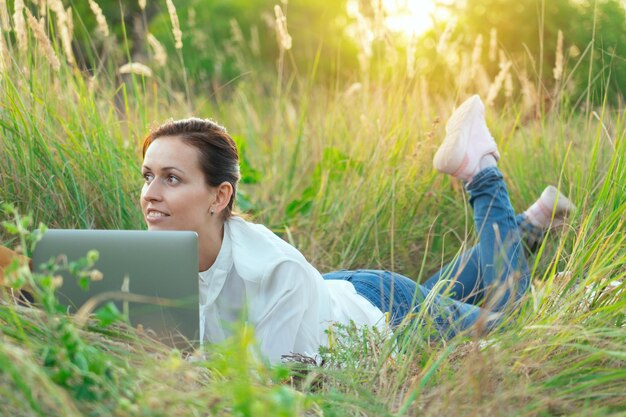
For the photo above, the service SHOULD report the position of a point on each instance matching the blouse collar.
(216, 275)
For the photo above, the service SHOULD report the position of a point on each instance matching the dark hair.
(219, 159)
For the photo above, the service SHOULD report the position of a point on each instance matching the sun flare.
(412, 17)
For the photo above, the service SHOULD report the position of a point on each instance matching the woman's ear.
(223, 192)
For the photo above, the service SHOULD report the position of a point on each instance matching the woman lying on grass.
(191, 172)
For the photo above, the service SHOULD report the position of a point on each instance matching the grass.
(344, 173)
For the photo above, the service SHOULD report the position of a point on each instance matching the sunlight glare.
(412, 17)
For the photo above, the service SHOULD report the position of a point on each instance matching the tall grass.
(344, 173)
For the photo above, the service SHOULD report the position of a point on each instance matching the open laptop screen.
(152, 264)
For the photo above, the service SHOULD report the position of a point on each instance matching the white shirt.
(260, 278)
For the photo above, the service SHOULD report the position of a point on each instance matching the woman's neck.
(209, 245)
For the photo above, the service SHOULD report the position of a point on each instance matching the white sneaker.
(550, 209)
(467, 141)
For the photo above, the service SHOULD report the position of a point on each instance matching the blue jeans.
(493, 274)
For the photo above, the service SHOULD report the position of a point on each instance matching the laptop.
(157, 269)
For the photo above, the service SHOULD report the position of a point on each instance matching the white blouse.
(261, 279)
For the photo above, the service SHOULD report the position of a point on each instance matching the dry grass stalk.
(424, 97)
(508, 85)
(4, 16)
(142, 4)
(352, 90)
(236, 32)
(103, 27)
(20, 25)
(160, 56)
(496, 85)
(66, 41)
(255, 43)
(135, 68)
(70, 22)
(529, 92)
(445, 36)
(92, 84)
(58, 8)
(463, 76)
(63, 23)
(178, 34)
(410, 56)
(284, 39)
(558, 63)
(3, 54)
(363, 33)
(43, 9)
(476, 54)
(378, 23)
(493, 44)
(42, 40)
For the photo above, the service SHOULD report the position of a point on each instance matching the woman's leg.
(470, 154)
(549, 210)
(469, 286)
(503, 270)
(401, 298)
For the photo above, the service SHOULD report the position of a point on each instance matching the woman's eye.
(172, 179)
(148, 177)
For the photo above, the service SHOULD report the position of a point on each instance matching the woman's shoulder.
(256, 249)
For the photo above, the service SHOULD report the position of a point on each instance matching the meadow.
(342, 169)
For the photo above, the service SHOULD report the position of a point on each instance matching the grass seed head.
(3, 58)
(493, 44)
(135, 68)
(20, 25)
(42, 40)
(66, 36)
(65, 27)
(476, 54)
(530, 97)
(236, 32)
(284, 38)
(496, 85)
(142, 4)
(103, 27)
(410, 57)
(160, 56)
(70, 21)
(4, 16)
(445, 36)
(508, 85)
(178, 34)
(558, 62)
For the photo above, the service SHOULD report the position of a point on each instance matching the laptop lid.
(158, 268)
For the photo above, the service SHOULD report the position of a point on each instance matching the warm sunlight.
(412, 17)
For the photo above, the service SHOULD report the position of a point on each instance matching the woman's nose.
(152, 191)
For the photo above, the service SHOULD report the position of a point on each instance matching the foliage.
(227, 42)
(593, 32)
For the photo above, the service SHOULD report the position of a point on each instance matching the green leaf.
(83, 282)
(108, 314)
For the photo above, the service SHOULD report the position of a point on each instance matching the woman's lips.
(155, 216)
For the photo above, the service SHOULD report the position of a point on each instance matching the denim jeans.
(493, 274)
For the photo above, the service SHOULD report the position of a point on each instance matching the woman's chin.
(159, 223)
(156, 227)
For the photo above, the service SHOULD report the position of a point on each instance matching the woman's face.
(175, 195)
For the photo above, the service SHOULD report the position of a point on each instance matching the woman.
(246, 272)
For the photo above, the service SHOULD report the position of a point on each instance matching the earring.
(212, 212)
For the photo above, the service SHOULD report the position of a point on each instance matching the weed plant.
(344, 173)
